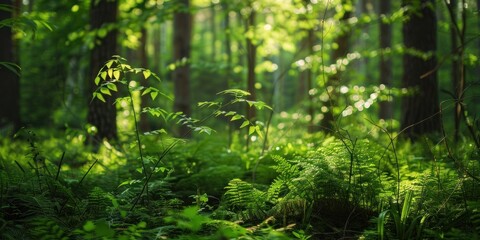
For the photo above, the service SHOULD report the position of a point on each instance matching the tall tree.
(228, 42)
(420, 108)
(142, 52)
(455, 67)
(327, 123)
(9, 80)
(386, 76)
(458, 39)
(213, 27)
(306, 75)
(102, 115)
(251, 63)
(182, 31)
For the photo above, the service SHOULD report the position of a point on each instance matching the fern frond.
(45, 228)
(97, 202)
(243, 197)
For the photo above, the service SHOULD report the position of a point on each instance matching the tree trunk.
(213, 27)
(251, 62)
(9, 80)
(227, 44)
(182, 28)
(144, 124)
(455, 67)
(386, 111)
(307, 79)
(327, 123)
(102, 115)
(420, 109)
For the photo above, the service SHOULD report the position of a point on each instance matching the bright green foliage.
(189, 219)
(361, 181)
(406, 226)
(238, 96)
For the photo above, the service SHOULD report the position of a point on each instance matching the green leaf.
(382, 219)
(259, 131)
(251, 130)
(153, 95)
(89, 226)
(11, 66)
(146, 91)
(234, 92)
(127, 182)
(97, 80)
(155, 132)
(102, 32)
(116, 74)
(100, 97)
(142, 225)
(260, 105)
(236, 117)
(231, 113)
(103, 75)
(146, 73)
(105, 90)
(110, 72)
(109, 63)
(112, 87)
(244, 124)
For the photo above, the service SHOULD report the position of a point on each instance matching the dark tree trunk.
(420, 109)
(386, 111)
(144, 124)
(327, 123)
(308, 78)
(182, 30)
(9, 80)
(455, 67)
(102, 115)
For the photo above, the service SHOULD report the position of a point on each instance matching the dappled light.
(239, 119)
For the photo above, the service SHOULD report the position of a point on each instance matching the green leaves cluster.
(238, 96)
(117, 71)
(406, 225)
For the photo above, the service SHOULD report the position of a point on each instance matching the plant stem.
(137, 134)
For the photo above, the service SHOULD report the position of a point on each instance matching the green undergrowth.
(314, 187)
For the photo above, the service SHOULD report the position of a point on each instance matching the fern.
(474, 207)
(97, 202)
(44, 228)
(242, 196)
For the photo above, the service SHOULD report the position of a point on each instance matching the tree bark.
(182, 28)
(307, 79)
(386, 111)
(455, 67)
(144, 124)
(9, 80)
(420, 109)
(327, 123)
(102, 115)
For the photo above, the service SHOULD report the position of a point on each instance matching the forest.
(239, 119)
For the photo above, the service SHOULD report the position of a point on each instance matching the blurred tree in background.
(321, 59)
